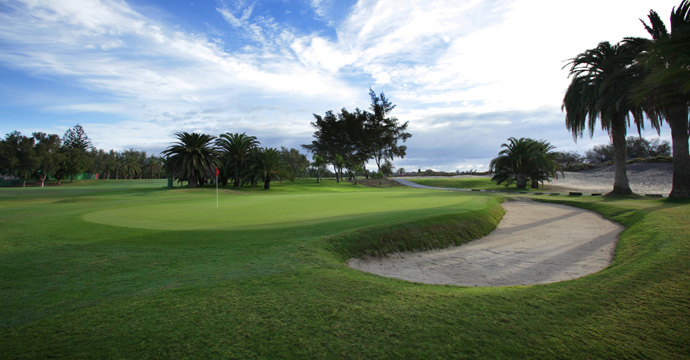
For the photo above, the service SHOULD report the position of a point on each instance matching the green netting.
(15, 182)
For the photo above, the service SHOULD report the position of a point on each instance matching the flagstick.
(216, 189)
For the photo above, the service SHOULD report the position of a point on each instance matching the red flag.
(217, 172)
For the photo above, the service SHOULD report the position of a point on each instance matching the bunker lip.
(535, 243)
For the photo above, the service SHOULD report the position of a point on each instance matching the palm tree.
(544, 164)
(130, 168)
(355, 170)
(269, 163)
(666, 85)
(523, 160)
(338, 164)
(319, 165)
(236, 150)
(601, 85)
(111, 163)
(154, 166)
(191, 158)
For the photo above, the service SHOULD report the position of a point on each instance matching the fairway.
(286, 210)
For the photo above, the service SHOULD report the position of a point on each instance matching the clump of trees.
(297, 161)
(636, 148)
(197, 158)
(193, 158)
(128, 164)
(349, 139)
(524, 160)
(44, 156)
(620, 83)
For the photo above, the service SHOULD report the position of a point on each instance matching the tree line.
(634, 80)
(349, 139)
(237, 156)
(636, 148)
(44, 156)
(346, 140)
(231, 157)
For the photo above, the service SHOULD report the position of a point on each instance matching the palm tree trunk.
(621, 184)
(535, 184)
(521, 181)
(236, 182)
(678, 120)
(192, 180)
(267, 182)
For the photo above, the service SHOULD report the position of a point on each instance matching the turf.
(75, 288)
(280, 210)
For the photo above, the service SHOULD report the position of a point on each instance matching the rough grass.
(76, 289)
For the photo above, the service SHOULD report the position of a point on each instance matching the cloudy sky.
(465, 74)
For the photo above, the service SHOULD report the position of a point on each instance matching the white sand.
(535, 243)
(644, 179)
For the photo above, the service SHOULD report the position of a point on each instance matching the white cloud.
(319, 52)
(320, 7)
(237, 21)
(159, 63)
(466, 74)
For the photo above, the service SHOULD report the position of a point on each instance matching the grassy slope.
(77, 289)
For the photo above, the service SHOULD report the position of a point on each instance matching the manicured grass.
(75, 288)
(279, 210)
(477, 183)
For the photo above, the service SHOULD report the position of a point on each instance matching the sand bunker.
(535, 243)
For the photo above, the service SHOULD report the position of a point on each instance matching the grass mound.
(418, 235)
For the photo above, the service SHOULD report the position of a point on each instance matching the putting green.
(281, 210)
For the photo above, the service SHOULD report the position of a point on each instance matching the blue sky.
(465, 74)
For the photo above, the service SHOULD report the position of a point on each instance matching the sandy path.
(535, 243)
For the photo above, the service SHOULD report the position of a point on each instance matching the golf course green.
(130, 269)
(261, 211)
